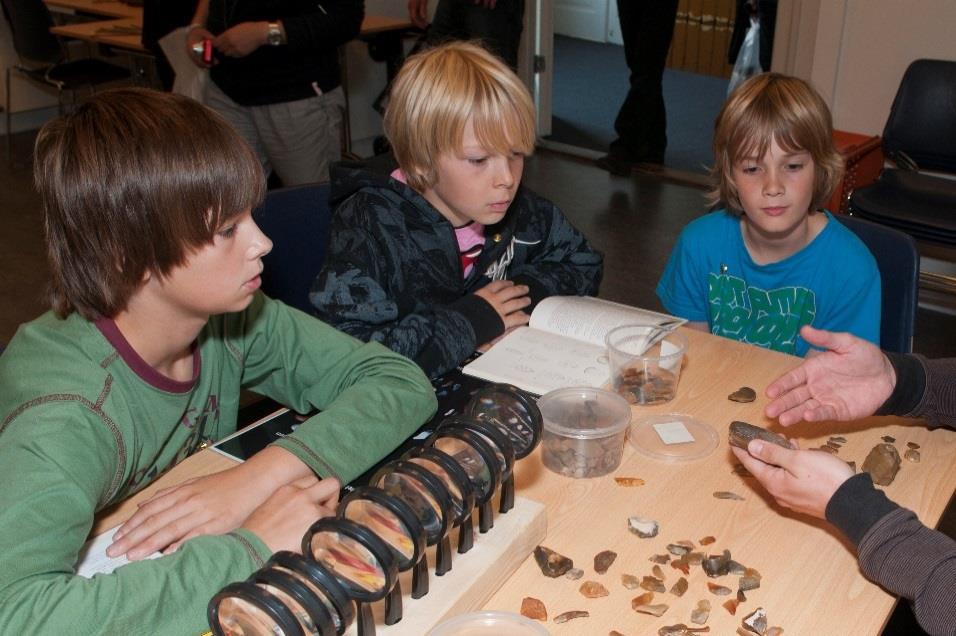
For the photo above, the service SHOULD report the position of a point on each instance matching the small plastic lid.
(489, 624)
(673, 437)
(584, 412)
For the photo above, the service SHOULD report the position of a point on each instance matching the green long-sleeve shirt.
(87, 423)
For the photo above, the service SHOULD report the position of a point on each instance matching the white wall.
(855, 51)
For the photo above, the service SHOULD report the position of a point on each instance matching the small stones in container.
(534, 609)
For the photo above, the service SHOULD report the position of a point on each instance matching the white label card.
(673, 433)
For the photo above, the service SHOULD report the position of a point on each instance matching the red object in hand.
(207, 51)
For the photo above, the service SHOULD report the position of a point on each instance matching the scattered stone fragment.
(534, 609)
(741, 433)
(701, 613)
(743, 394)
(652, 584)
(707, 540)
(681, 630)
(753, 572)
(889, 439)
(678, 588)
(733, 567)
(731, 606)
(912, 445)
(741, 597)
(833, 445)
(643, 527)
(574, 574)
(825, 449)
(837, 439)
(659, 558)
(748, 583)
(681, 564)
(629, 482)
(603, 560)
(677, 549)
(642, 599)
(717, 564)
(694, 558)
(551, 563)
(658, 572)
(630, 581)
(882, 463)
(653, 610)
(756, 621)
(686, 543)
(593, 589)
(718, 590)
(775, 631)
(567, 616)
(912, 455)
(614, 632)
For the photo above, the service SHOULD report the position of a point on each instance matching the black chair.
(41, 58)
(297, 219)
(920, 136)
(898, 261)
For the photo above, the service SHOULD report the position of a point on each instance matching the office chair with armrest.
(920, 136)
(898, 261)
(297, 219)
(42, 60)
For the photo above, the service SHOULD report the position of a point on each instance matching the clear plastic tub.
(584, 431)
(489, 624)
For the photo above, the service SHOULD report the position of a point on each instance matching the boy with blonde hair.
(449, 251)
(773, 259)
(156, 325)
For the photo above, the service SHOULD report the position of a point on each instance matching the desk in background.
(811, 583)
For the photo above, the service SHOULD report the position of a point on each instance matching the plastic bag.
(190, 79)
(748, 60)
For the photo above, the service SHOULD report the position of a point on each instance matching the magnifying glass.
(477, 458)
(358, 558)
(428, 497)
(458, 485)
(321, 582)
(396, 524)
(500, 443)
(313, 616)
(244, 608)
(513, 411)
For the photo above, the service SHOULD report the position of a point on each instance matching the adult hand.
(285, 516)
(213, 504)
(508, 300)
(418, 13)
(802, 480)
(195, 36)
(242, 39)
(850, 380)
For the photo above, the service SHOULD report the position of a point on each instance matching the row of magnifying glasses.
(354, 559)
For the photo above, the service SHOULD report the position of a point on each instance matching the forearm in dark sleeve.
(924, 388)
(333, 24)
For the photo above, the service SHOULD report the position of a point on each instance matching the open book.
(563, 345)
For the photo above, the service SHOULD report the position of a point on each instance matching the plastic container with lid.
(489, 624)
(584, 431)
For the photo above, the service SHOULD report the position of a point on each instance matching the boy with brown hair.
(156, 324)
(449, 251)
(773, 259)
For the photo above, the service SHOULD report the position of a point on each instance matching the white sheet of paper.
(673, 433)
(93, 558)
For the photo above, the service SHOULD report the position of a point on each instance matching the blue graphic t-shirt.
(833, 283)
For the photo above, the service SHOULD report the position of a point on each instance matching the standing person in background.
(276, 77)
(647, 27)
(496, 24)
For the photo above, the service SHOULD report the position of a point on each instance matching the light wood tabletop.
(810, 580)
(105, 8)
(124, 33)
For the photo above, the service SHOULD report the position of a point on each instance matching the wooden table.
(105, 8)
(811, 583)
(106, 32)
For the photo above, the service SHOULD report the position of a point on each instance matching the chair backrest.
(898, 261)
(30, 24)
(297, 219)
(922, 121)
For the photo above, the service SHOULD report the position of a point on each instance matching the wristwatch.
(274, 35)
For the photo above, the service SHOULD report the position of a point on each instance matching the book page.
(589, 319)
(93, 558)
(540, 361)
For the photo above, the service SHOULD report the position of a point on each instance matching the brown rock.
(882, 463)
(679, 587)
(603, 560)
(629, 482)
(744, 394)
(551, 563)
(593, 589)
(534, 609)
(567, 616)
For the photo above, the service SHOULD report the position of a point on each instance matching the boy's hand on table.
(508, 300)
(285, 516)
(213, 504)
(802, 480)
(850, 380)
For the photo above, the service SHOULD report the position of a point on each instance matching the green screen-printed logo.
(770, 319)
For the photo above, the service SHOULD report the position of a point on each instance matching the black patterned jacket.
(393, 274)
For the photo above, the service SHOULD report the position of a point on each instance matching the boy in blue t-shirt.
(773, 259)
